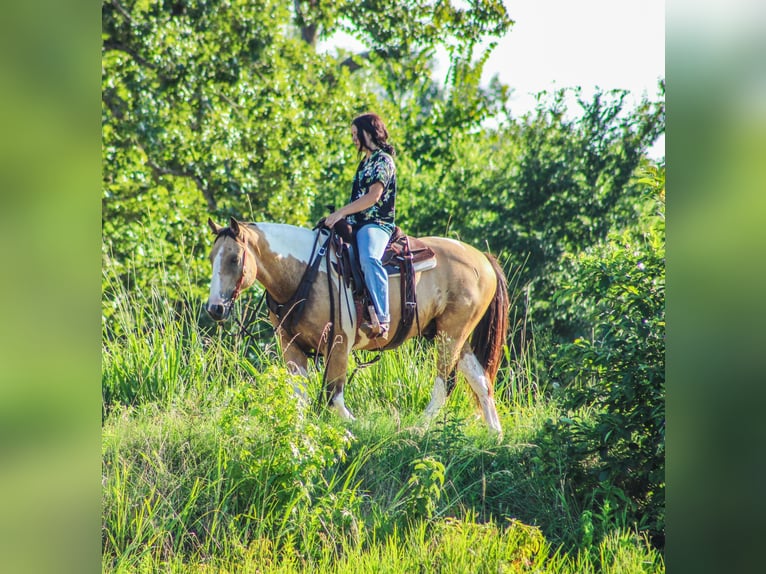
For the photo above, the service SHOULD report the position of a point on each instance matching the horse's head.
(234, 268)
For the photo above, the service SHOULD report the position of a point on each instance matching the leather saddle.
(403, 257)
(401, 246)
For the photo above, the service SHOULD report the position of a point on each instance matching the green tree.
(424, 116)
(211, 108)
(227, 108)
(551, 183)
(218, 95)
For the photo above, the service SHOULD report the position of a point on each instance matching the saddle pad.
(394, 270)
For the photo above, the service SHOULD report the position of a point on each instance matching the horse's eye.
(234, 260)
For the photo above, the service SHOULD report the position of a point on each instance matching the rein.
(290, 312)
(238, 286)
(244, 328)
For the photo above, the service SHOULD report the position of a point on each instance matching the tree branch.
(309, 32)
(120, 47)
(123, 11)
(351, 62)
(159, 171)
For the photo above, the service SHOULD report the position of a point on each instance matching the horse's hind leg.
(470, 366)
(445, 374)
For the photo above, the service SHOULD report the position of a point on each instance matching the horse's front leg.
(297, 365)
(335, 376)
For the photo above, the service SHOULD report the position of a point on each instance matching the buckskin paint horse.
(462, 303)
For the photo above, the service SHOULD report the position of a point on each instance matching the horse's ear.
(234, 224)
(214, 226)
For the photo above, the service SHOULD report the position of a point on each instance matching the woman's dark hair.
(376, 129)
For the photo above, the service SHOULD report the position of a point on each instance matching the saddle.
(401, 247)
(403, 257)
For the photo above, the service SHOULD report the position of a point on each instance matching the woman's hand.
(333, 218)
(365, 202)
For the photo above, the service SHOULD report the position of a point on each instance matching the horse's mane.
(267, 230)
(225, 232)
(229, 232)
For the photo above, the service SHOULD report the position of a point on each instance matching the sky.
(588, 43)
(607, 44)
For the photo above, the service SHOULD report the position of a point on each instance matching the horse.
(462, 303)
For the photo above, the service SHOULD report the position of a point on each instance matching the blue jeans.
(371, 240)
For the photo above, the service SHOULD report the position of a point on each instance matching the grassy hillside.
(210, 465)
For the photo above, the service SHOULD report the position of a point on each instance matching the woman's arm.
(369, 199)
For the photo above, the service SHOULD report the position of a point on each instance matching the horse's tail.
(489, 336)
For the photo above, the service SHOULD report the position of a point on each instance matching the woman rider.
(371, 210)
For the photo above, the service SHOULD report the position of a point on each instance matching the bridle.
(240, 282)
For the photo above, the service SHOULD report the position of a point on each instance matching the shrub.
(613, 381)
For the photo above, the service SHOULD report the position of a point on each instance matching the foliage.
(614, 376)
(202, 117)
(152, 350)
(210, 460)
(216, 95)
(243, 471)
(218, 108)
(211, 108)
(425, 485)
(536, 189)
(226, 108)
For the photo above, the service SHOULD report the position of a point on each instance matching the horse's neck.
(282, 252)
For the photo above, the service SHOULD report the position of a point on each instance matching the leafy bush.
(176, 482)
(614, 379)
(426, 484)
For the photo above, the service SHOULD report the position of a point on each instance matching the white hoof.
(339, 406)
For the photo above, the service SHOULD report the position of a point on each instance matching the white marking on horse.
(470, 367)
(348, 316)
(339, 406)
(288, 241)
(216, 296)
(438, 398)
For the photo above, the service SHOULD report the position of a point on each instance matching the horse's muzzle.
(217, 311)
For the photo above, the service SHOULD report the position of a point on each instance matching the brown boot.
(377, 331)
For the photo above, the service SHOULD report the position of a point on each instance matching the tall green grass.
(211, 465)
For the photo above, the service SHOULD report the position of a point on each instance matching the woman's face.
(361, 140)
(355, 137)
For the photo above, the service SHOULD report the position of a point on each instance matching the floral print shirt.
(378, 167)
